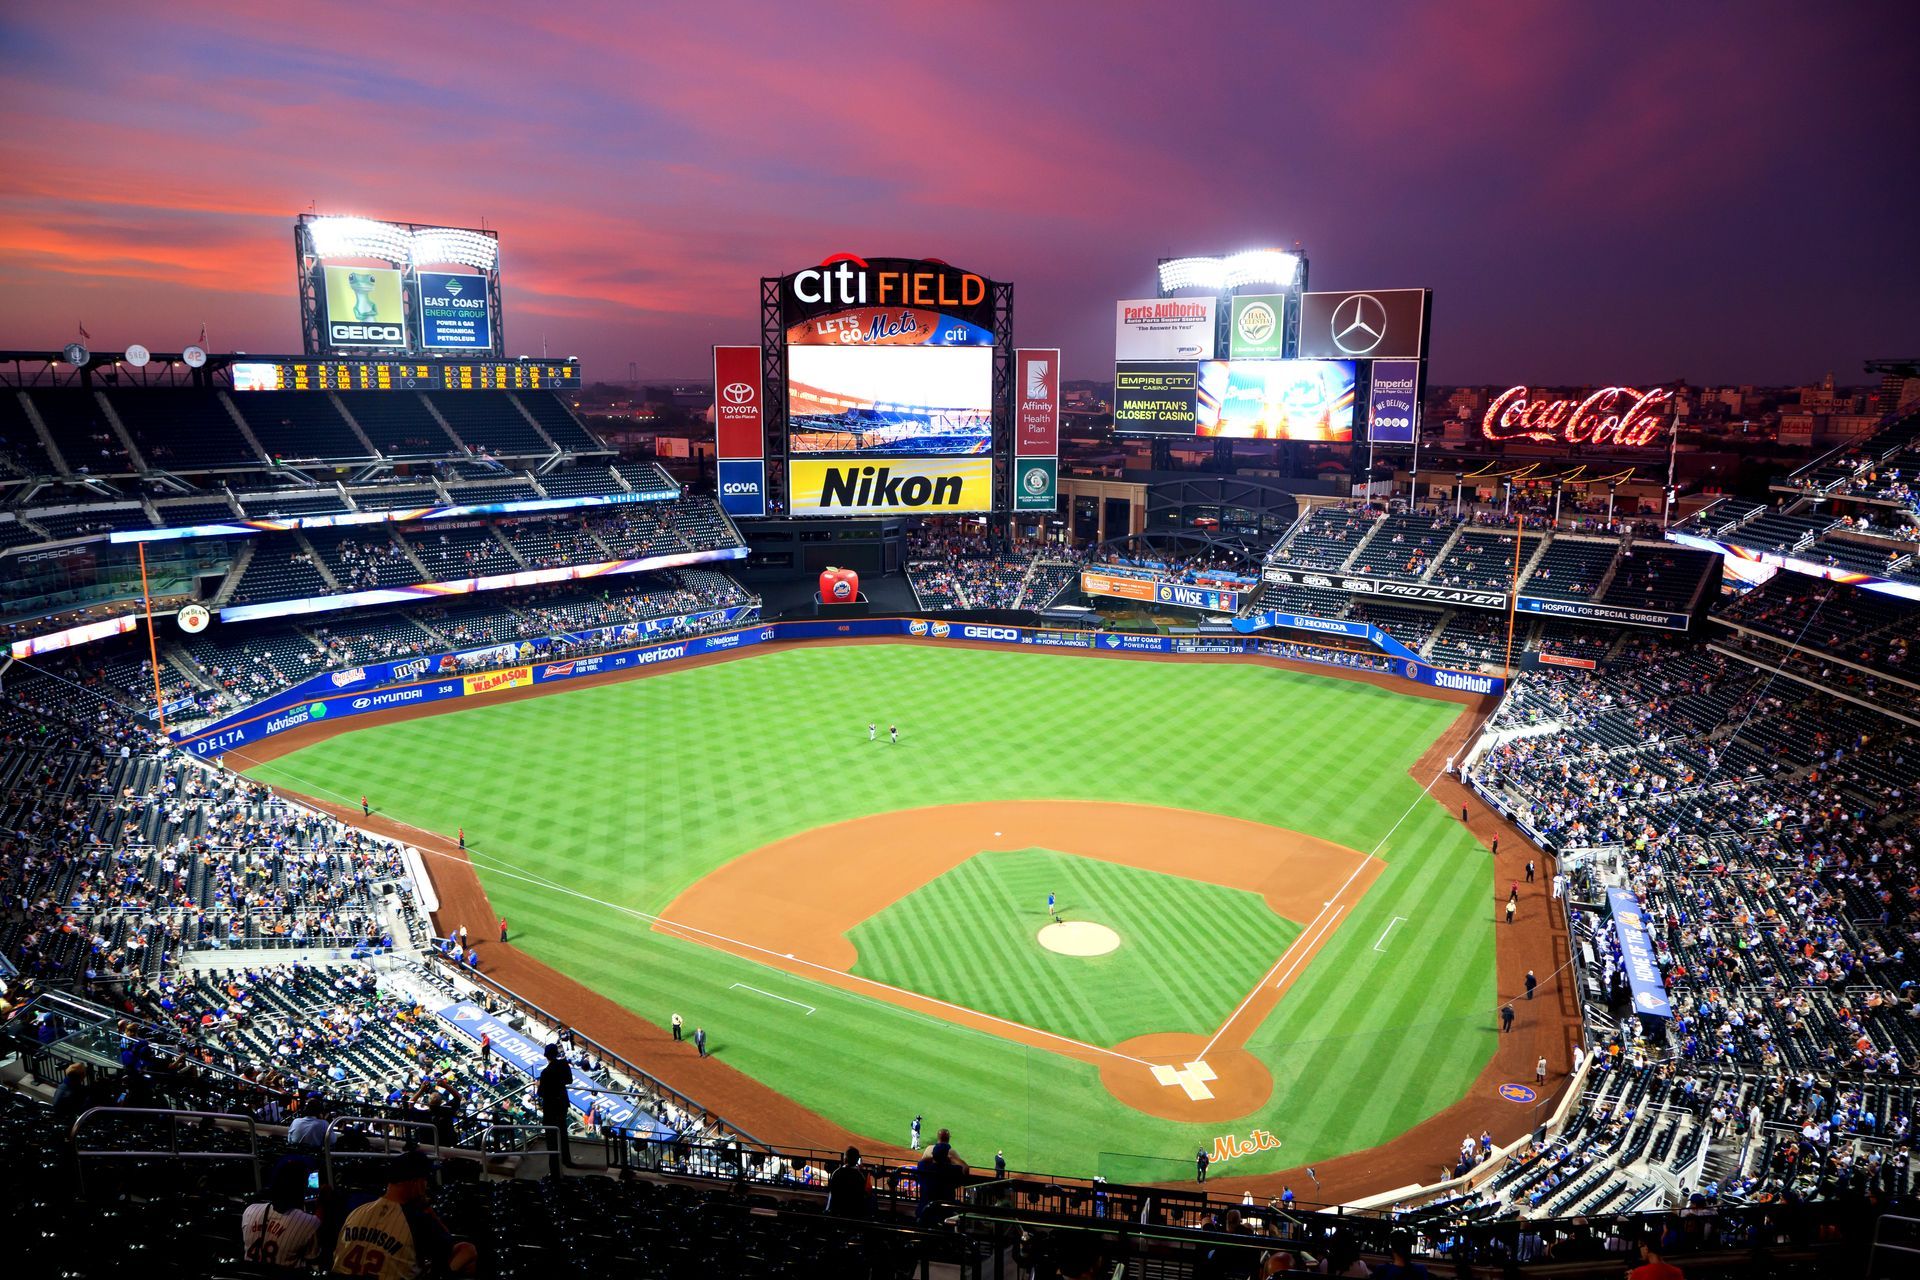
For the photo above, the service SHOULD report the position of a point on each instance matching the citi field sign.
(1611, 415)
(846, 280)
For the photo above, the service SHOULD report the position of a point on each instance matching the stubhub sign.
(743, 486)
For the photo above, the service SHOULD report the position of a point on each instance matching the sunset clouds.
(1617, 192)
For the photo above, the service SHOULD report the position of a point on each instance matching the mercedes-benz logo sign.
(1359, 324)
(737, 393)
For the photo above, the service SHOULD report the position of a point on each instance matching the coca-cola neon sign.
(1611, 415)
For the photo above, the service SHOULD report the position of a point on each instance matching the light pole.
(1459, 478)
(1506, 503)
(1610, 489)
(1558, 489)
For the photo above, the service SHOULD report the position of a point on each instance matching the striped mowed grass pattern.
(588, 809)
(1189, 951)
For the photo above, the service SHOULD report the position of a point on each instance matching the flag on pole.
(83, 331)
(203, 334)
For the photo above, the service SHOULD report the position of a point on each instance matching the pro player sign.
(738, 400)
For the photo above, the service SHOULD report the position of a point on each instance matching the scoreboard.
(404, 375)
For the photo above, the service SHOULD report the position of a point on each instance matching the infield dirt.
(1548, 1025)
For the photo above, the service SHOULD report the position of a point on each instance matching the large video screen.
(1275, 399)
(914, 400)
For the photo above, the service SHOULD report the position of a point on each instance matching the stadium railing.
(652, 1082)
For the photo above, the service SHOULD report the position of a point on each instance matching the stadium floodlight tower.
(1282, 271)
(321, 240)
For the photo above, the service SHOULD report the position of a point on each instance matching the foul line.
(736, 947)
(1384, 932)
(741, 986)
(1314, 925)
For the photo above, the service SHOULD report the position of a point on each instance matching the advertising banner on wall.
(889, 486)
(888, 327)
(1121, 585)
(1036, 416)
(1163, 329)
(454, 312)
(365, 307)
(743, 486)
(1393, 402)
(1636, 956)
(1375, 324)
(1155, 399)
(1035, 484)
(1258, 327)
(738, 403)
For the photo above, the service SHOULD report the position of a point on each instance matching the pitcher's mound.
(1079, 938)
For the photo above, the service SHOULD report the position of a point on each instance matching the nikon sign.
(889, 486)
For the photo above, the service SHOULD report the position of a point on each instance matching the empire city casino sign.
(1611, 415)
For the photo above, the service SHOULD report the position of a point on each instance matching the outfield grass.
(1189, 951)
(627, 793)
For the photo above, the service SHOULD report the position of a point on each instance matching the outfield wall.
(310, 705)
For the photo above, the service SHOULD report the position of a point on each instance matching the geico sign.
(989, 633)
(1611, 415)
(845, 280)
(383, 334)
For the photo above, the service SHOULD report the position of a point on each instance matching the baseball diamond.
(821, 899)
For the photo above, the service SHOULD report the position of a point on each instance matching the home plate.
(1192, 1078)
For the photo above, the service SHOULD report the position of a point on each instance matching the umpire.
(554, 1079)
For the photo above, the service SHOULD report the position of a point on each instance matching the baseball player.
(913, 1134)
(893, 731)
(870, 731)
(1050, 910)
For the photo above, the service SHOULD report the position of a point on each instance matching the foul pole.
(1513, 595)
(153, 645)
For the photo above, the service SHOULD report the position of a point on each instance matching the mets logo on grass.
(878, 486)
(1230, 1146)
(506, 678)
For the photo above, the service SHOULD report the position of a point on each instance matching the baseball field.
(1260, 921)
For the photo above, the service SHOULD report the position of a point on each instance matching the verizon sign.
(738, 417)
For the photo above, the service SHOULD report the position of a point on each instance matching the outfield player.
(1050, 910)
(893, 731)
(870, 731)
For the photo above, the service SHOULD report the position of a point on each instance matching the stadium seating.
(1571, 568)
(80, 430)
(181, 430)
(398, 424)
(299, 426)
(493, 424)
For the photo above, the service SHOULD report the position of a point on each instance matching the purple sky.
(1725, 192)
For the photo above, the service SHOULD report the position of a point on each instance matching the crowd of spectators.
(963, 569)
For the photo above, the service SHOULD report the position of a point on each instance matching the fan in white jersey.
(279, 1232)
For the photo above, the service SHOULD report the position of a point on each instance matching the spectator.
(278, 1233)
